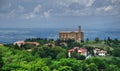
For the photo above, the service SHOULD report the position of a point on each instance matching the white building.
(19, 43)
(99, 52)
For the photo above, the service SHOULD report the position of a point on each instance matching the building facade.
(99, 52)
(80, 51)
(19, 43)
(75, 35)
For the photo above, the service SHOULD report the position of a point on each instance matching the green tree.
(81, 57)
(97, 39)
(87, 40)
(116, 52)
(64, 68)
(61, 55)
(91, 67)
(76, 44)
(90, 49)
(53, 52)
(66, 63)
(100, 63)
(112, 67)
(1, 61)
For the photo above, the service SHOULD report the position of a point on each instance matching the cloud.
(16, 12)
(38, 13)
(9, 5)
(11, 14)
(21, 8)
(87, 3)
(47, 14)
(108, 8)
(66, 3)
(114, 1)
(77, 12)
(105, 8)
(33, 14)
(29, 9)
(37, 9)
(72, 7)
(29, 16)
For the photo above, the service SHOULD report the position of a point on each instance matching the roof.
(81, 50)
(23, 42)
(96, 49)
(68, 32)
(71, 50)
(1, 45)
(31, 43)
(64, 43)
(102, 51)
(19, 42)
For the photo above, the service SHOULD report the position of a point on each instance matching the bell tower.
(79, 29)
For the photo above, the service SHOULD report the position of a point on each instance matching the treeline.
(40, 40)
(17, 60)
(112, 46)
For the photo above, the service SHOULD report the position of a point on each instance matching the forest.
(51, 55)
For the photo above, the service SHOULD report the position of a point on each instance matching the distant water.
(11, 35)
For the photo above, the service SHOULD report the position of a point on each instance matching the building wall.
(65, 36)
(77, 36)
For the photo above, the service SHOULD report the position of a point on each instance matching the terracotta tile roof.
(82, 50)
(22, 42)
(71, 50)
(31, 43)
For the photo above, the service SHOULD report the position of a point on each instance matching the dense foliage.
(54, 57)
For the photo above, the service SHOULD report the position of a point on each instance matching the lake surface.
(10, 35)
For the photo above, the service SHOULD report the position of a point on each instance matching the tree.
(81, 57)
(64, 68)
(76, 44)
(1, 61)
(90, 49)
(91, 67)
(112, 67)
(97, 40)
(53, 52)
(66, 63)
(116, 52)
(87, 40)
(61, 55)
(100, 63)
(109, 39)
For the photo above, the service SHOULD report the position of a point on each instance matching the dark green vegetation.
(50, 55)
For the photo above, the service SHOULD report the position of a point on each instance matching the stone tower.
(79, 29)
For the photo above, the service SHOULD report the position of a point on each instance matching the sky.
(59, 13)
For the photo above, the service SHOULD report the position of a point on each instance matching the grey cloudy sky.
(59, 13)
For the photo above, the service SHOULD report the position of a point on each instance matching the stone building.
(75, 35)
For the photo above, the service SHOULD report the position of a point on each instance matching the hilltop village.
(66, 37)
(68, 53)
